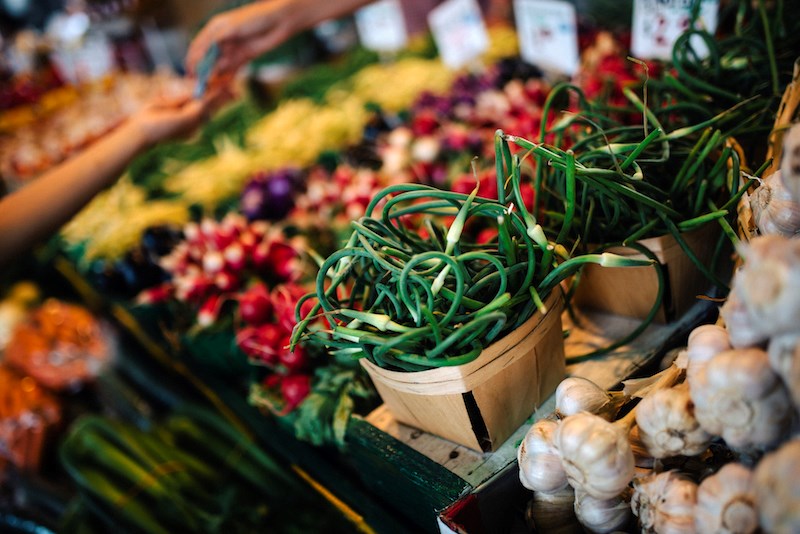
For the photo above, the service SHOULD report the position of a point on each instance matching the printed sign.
(658, 23)
(459, 31)
(548, 34)
(381, 26)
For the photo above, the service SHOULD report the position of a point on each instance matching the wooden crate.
(481, 403)
(632, 291)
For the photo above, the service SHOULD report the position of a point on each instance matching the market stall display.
(319, 267)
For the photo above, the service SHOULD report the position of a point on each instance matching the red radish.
(293, 360)
(260, 255)
(261, 343)
(255, 304)
(294, 389)
(154, 295)
(234, 257)
(213, 262)
(209, 311)
(282, 260)
(226, 281)
(284, 301)
(192, 288)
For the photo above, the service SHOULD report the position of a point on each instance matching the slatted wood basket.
(481, 403)
(632, 291)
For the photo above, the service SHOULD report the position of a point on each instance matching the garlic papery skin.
(704, 342)
(575, 394)
(777, 483)
(642, 458)
(553, 513)
(784, 357)
(774, 209)
(667, 424)
(602, 516)
(763, 300)
(740, 398)
(665, 503)
(539, 462)
(726, 502)
(596, 454)
(790, 161)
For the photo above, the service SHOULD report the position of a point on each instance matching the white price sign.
(459, 31)
(657, 24)
(548, 34)
(381, 26)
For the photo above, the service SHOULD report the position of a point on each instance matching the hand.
(173, 115)
(249, 31)
(245, 33)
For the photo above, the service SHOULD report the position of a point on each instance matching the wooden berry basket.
(481, 403)
(632, 291)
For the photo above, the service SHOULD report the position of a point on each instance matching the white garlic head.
(602, 516)
(575, 394)
(596, 454)
(764, 291)
(539, 462)
(704, 342)
(784, 357)
(665, 503)
(790, 161)
(777, 484)
(774, 209)
(741, 399)
(553, 513)
(668, 426)
(726, 501)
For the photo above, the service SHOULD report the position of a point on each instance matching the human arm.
(40, 208)
(245, 33)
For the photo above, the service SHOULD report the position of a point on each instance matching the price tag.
(459, 31)
(381, 26)
(658, 23)
(548, 34)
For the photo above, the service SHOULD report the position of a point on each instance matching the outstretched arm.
(249, 31)
(41, 207)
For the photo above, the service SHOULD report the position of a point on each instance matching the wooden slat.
(592, 331)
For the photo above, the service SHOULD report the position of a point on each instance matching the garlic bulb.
(784, 357)
(553, 513)
(665, 503)
(540, 466)
(602, 515)
(790, 161)
(596, 454)
(726, 502)
(777, 482)
(642, 458)
(668, 426)
(774, 209)
(575, 394)
(704, 342)
(763, 301)
(740, 398)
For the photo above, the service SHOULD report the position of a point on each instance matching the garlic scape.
(539, 462)
(726, 502)
(576, 394)
(667, 424)
(738, 397)
(665, 503)
(763, 301)
(777, 481)
(601, 516)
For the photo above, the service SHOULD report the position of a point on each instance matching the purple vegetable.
(270, 196)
